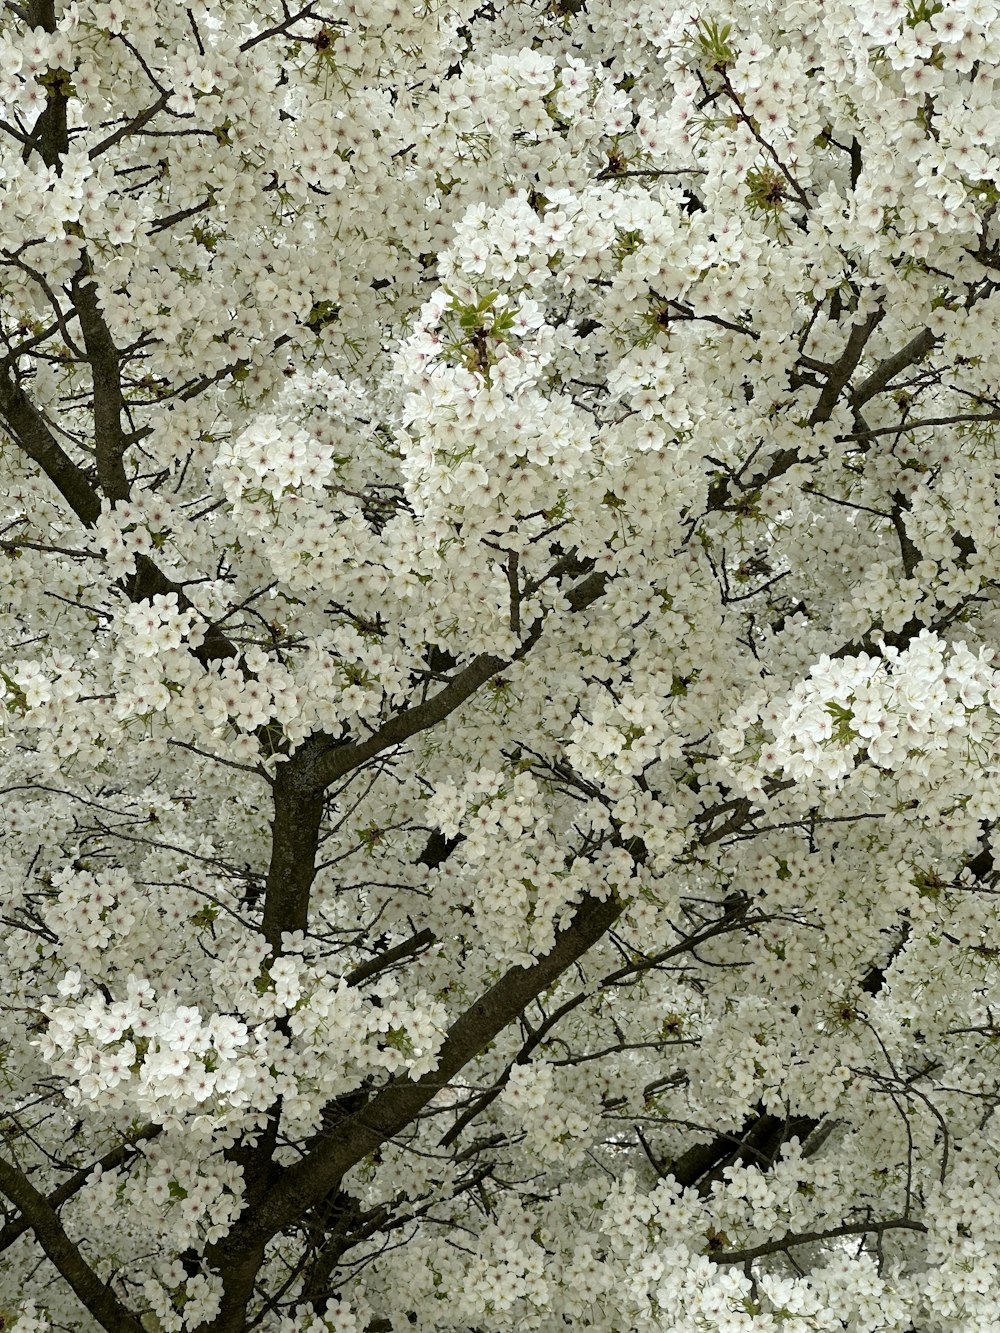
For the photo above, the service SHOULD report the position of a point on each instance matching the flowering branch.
(40, 1215)
(790, 1241)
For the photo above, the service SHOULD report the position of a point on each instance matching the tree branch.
(115, 1157)
(298, 814)
(891, 366)
(844, 368)
(344, 757)
(686, 945)
(105, 370)
(96, 1296)
(132, 126)
(30, 431)
(50, 135)
(305, 1183)
(904, 427)
(791, 1239)
(421, 940)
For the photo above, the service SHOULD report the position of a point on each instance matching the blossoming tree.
(500, 534)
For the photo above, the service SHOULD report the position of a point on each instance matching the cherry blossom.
(499, 705)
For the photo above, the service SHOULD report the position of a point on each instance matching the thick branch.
(341, 759)
(415, 944)
(758, 1142)
(298, 813)
(29, 429)
(909, 553)
(105, 369)
(730, 921)
(27, 425)
(305, 1183)
(845, 368)
(50, 135)
(52, 138)
(95, 1295)
(115, 1157)
(891, 366)
(130, 127)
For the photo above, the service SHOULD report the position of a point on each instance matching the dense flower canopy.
(500, 747)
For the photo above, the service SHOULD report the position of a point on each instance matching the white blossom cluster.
(163, 1059)
(929, 704)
